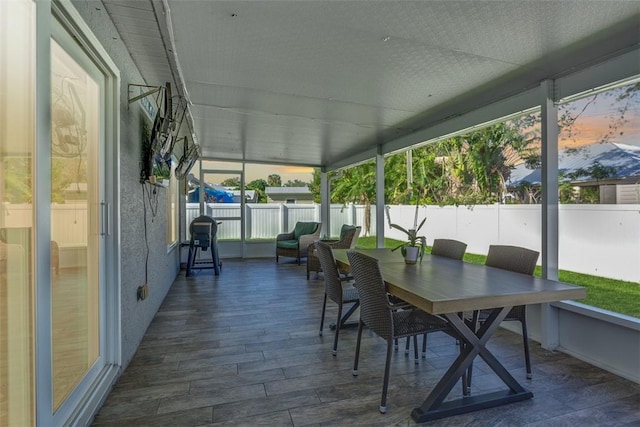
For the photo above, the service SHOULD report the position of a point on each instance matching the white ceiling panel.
(315, 82)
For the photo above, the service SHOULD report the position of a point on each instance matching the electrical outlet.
(143, 292)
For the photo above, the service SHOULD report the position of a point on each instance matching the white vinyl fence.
(602, 240)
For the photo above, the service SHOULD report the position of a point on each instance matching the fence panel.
(520, 225)
(340, 214)
(228, 229)
(603, 240)
(263, 221)
(306, 213)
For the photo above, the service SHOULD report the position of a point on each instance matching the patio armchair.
(296, 243)
(348, 238)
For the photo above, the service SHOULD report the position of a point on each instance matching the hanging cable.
(152, 197)
(146, 238)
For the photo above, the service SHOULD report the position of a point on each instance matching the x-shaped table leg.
(434, 407)
(346, 316)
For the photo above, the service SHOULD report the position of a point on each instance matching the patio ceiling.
(324, 83)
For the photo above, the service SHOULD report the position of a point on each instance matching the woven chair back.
(448, 248)
(374, 302)
(353, 237)
(512, 258)
(332, 285)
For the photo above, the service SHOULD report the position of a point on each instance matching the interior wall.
(162, 266)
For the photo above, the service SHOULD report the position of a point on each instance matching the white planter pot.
(411, 256)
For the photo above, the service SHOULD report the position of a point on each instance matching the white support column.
(243, 215)
(325, 204)
(284, 219)
(549, 127)
(201, 189)
(549, 130)
(379, 198)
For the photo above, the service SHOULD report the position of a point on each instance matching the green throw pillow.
(345, 229)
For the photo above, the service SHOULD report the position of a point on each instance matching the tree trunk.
(367, 218)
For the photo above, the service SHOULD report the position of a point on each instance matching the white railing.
(603, 240)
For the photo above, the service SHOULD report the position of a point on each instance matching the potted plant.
(413, 248)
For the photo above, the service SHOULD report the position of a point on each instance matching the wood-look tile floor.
(243, 348)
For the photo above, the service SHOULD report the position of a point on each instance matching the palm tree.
(358, 185)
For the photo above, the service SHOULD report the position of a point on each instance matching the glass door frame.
(85, 399)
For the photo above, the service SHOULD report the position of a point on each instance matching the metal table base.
(475, 344)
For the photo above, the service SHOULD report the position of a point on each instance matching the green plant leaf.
(397, 227)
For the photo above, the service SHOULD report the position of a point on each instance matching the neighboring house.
(618, 164)
(289, 195)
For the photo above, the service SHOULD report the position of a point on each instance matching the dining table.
(446, 288)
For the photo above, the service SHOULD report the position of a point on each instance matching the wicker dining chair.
(334, 289)
(348, 238)
(448, 248)
(384, 318)
(519, 260)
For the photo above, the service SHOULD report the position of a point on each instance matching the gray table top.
(440, 285)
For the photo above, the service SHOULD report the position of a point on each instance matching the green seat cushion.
(345, 229)
(303, 228)
(288, 244)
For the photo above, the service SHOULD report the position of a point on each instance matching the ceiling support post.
(379, 198)
(549, 129)
(325, 204)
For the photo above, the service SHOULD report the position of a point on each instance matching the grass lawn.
(609, 294)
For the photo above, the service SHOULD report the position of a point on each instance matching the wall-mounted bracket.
(148, 106)
(153, 90)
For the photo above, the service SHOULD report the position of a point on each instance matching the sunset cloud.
(294, 169)
(589, 130)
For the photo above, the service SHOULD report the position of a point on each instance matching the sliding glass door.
(78, 217)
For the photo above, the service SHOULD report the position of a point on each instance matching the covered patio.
(325, 85)
(243, 348)
(330, 85)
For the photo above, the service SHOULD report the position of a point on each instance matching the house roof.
(624, 159)
(247, 193)
(298, 191)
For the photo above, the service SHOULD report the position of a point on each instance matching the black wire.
(152, 196)
(146, 238)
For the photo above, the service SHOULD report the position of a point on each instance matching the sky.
(287, 173)
(599, 114)
(259, 171)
